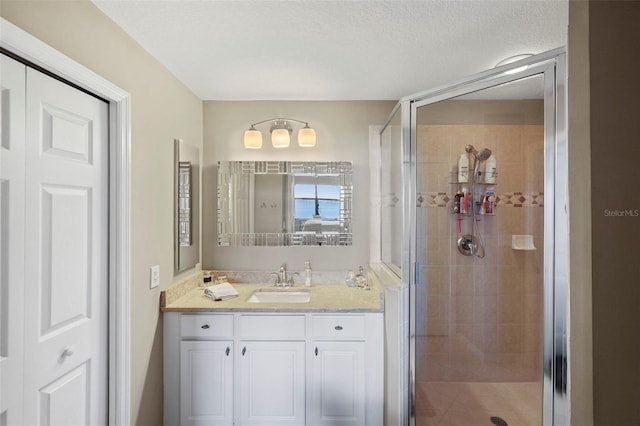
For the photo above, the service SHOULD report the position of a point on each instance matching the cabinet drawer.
(282, 327)
(338, 327)
(206, 326)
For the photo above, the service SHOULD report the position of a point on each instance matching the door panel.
(206, 383)
(66, 134)
(66, 263)
(66, 240)
(271, 389)
(337, 384)
(64, 401)
(12, 157)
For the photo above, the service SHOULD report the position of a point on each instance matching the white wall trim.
(374, 193)
(24, 45)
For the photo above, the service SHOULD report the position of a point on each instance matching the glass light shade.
(307, 137)
(280, 138)
(252, 139)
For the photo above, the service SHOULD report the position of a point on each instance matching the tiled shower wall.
(481, 317)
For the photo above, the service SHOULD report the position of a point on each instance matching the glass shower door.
(479, 290)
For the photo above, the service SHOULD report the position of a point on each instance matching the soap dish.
(522, 242)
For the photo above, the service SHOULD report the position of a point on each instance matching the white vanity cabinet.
(270, 389)
(262, 368)
(205, 368)
(336, 385)
(206, 383)
(338, 391)
(271, 370)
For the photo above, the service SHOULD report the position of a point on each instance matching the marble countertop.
(324, 298)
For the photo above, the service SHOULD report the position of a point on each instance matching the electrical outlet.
(155, 276)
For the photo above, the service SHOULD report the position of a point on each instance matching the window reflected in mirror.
(316, 203)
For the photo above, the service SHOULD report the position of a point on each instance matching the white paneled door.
(65, 273)
(12, 128)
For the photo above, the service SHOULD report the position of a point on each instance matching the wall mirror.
(187, 205)
(284, 203)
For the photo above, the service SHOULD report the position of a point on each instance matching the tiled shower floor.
(475, 403)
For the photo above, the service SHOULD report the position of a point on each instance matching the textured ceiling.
(334, 50)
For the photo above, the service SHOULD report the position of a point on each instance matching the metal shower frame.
(552, 66)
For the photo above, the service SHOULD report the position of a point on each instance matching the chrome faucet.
(283, 278)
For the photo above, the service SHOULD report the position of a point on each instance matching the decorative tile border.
(519, 199)
(507, 199)
(433, 199)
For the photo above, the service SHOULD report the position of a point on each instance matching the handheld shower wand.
(477, 158)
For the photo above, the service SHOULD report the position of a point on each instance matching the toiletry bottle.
(491, 199)
(463, 168)
(490, 170)
(307, 273)
(206, 280)
(351, 279)
(361, 279)
(456, 201)
(464, 202)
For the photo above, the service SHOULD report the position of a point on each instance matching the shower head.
(483, 155)
(479, 156)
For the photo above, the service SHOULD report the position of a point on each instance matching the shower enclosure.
(473, 191)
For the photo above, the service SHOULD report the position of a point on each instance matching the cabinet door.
(336, 384)
(271, 387)
(206, 383)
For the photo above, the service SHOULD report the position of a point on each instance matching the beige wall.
(603, 155)
(580, 322)
(342, 130)
(162, 109)
(615, 171)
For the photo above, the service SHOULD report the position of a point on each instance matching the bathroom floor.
(476, 403)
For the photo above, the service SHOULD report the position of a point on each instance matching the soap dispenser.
(307, 274)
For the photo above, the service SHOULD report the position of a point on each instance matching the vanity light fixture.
(280, 134)
(512, 59)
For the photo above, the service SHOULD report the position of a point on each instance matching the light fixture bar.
(280, 119)
(280, 134)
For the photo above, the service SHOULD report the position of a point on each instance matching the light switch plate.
(155, 276)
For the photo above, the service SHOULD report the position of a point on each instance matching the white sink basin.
(273, 295)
